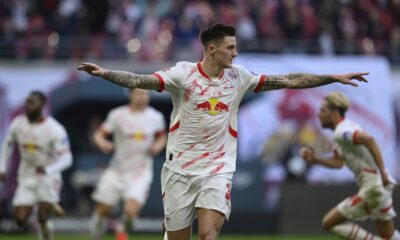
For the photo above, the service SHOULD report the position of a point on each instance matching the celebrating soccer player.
(201, 152)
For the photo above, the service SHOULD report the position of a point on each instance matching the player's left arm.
(61, 153)
(302, 80)
(159, 143)
(369, 142)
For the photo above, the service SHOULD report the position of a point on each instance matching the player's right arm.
(122, 78)
(307, 153)
(101, 141)
(7, 148)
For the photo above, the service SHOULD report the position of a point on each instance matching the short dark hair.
(40, 95)
(216, 32)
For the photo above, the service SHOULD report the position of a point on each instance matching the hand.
(153, 150)
(92, 69)
(106, 147)
(40, 170)
(386, 180)
(346, 78)
(307, 153)
(3, 177)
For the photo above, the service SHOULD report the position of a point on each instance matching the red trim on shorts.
(161, 80)
(260, 83)
(232, 131)
(355, 136)
(174, 127)
(369, 170)
(386, 209)
(355, 200)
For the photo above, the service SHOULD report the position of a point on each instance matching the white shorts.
(35, 189)
(114, 186)
(183, 194)
(374, 203)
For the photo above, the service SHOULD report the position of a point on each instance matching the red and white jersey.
(133, 134)
(202, 136)
(356, 156)
(39, 144)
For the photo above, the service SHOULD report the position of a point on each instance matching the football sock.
(353, 231)
(97, 226)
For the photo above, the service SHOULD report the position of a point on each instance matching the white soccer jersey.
(42, 143)
(357, 157)
(202, 136)
(133, 134)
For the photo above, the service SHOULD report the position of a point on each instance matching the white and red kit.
(40, 144)
(201, 149)
(130, 173)
(373, 200)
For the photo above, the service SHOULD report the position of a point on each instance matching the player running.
(138, 134)
(201, 152)
(359, 151)
(44, 152)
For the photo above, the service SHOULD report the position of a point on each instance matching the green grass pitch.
(158, 237)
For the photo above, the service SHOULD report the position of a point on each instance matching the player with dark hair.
(358, 150)
(44, 153)
(201, 151)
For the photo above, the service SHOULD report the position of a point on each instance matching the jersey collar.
(200, 68)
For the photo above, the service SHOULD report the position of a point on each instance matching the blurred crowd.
(156, 30)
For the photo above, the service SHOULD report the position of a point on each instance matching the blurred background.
(275, 192)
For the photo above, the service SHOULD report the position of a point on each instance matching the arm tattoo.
(296, 80)
(132, 80)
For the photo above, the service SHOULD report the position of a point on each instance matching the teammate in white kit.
(201, 151)
(356, 149)
(138, 134)
(44, 152)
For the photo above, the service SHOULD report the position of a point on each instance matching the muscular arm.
(334, 162)
(122, 78)
(6, 151)
(303, 80)
(132, 80)
(370, 143)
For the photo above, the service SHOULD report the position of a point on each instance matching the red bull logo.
(138, 136)
(213, 106)
(31, 147)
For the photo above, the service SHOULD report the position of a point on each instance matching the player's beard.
(33, 116)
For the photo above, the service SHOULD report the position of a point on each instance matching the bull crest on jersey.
(212, 106)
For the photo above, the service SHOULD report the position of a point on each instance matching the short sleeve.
(109, 124)
(171, 78)
(251, 81)
(61, 141)
(347, 135)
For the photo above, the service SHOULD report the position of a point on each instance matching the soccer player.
(201, 151)
(44, 152)
(358, 150)
(138, 134)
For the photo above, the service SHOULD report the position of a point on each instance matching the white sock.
(97, 227)
(45, 231)
(396, 235)
(352, 231)
(165, 236)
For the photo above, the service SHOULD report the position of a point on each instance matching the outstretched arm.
(122, 78)
(307, 154)
(301, 80)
